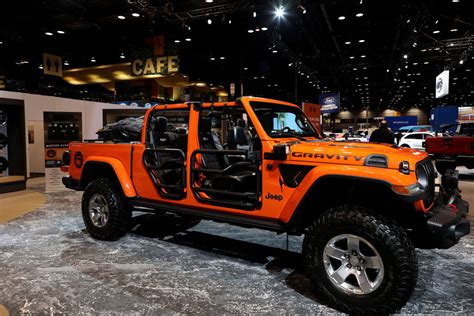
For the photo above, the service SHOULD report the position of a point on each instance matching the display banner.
(442, 84)
(60, 128)
(52, 65)
(329, 102)
(395, 122)
(313, 112)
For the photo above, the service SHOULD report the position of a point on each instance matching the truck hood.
(352, 153)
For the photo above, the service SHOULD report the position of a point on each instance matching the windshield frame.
(254, 104)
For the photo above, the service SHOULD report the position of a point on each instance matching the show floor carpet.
(50, 265)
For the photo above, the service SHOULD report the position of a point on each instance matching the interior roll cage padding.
(168, 165)
(253, 197)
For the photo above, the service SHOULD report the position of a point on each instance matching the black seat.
(166, 166)
(237, 136)
(240, 176)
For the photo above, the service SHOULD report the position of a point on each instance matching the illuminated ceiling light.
(280, 12)
(341, 18)
(246, 68)
(254, 14)
(66, 63)
(414, 64)
(222, 58)
(230, 21)
(250, 31)
(405, 56)
(388, 70)
(187, 39)
(48, 33)
(461, 62)
(209, 1)
(264, 28)
(213, 58)
(352, 57)
(209, 21)
(60, 32)
(122, 55)
(40, 66)
(359, 15)
(121, 17)
(274, 51)
(426, 63)
(134, 14)
(93, 59)
(453, 30)
(177, 41)
(361, 41)
(290, 64)
(436, 32)
(362, 56)
(347, 43)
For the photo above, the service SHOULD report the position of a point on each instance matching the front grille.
(426, 175)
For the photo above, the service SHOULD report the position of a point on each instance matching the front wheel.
(360, 263)
(104, 210)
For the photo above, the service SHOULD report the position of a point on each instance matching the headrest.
(236, 136)
(181, 130)
(170, 127)
(161, 123)
(240, 122)
(205, 125)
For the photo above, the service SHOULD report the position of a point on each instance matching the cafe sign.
(155, 66)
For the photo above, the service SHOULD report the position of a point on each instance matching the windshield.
(282, 120)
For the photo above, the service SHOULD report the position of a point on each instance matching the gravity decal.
(326, 156)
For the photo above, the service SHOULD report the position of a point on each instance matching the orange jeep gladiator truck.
(259, 163)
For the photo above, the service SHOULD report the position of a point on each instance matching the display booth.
(12, 145)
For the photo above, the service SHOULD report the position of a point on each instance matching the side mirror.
(279, 152)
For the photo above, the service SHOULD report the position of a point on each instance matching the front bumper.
(447, 219)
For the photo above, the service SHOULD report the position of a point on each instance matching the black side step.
(213, 215)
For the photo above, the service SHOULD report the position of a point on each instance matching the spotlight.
(60, 32)
(361, 41)
(93, 60)
(122, 56)
(209, 1)
(177, 41)
(230, 21)
(254, 14)
(359, 15)
(121, 17)
(222, 58)
(135, 14)
(341, 18)
(347, 43)
(209, 21)
(280, 12)
(405, 56)
(66, 63)
(187, 39)
(48, 33)
(436, 32)
(264, 28)
(461, 62)
(250, 31)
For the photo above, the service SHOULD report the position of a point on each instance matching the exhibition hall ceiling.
(376, 53)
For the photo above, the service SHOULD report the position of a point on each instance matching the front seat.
(237, 136)
(236, 177)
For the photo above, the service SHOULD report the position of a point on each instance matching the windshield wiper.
(287, 134)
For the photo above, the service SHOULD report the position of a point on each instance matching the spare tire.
(3, 164)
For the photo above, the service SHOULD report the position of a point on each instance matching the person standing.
(382, 134)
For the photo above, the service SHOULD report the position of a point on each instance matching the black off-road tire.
(394, 246)
(443, 166)
(120, 214)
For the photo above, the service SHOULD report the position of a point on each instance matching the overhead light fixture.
(351, 57)
(435, 31)
(388, 70)
(122, 55)
(405, 56)
(461, 62)
(40, 66)
(264, 28)
(222, 58)
(453, 30)
(341, 18)
(209, 1)
(274, 51)
(93, 60)
(209, 21)
(66, 63)
(134, 14)
(230, 21)
(361, 41)
(60, 32)
(254, 14)
(213, 58)
(250, 31)
(246, 68)
(290, 64)
(121, 17)
(280, 12)
(187, 39)
(359, 15)
(48, 33)
(426, 63)
(362, 56)
(347, 43)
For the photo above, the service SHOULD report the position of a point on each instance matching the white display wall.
(35, 105)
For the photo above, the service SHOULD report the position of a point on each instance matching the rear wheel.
(104, 211)
(360, 263)
(443, 166)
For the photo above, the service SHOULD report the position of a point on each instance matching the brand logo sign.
(297, 154)
(276, 197)
(329, 102)
(442, 84)
(155, 66)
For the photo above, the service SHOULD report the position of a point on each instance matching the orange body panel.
(327, 158)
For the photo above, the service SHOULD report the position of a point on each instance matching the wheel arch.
(329, 190)
(110, 168)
